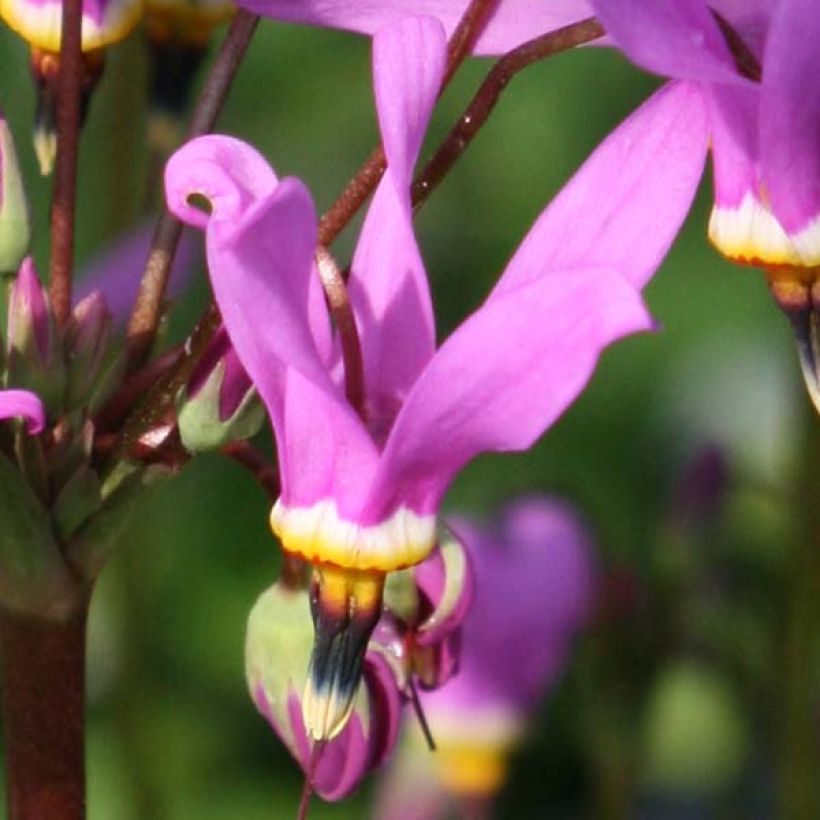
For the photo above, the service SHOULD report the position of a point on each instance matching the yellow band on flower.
(40, 23)
(750, 234)
(318, 534)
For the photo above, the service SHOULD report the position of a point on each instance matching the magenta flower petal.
(790, 123)
(23, 404)
(513, 22)
(534, 579)
(388, 284)
(117, 271)
(502, 378)
(673, 38)
(641, 179)
(261, 238)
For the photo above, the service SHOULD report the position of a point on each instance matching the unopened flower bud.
(34, 362)
(277, 651)
(220, 403)
(14, 217)
(87, 342)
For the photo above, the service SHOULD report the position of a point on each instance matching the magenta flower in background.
(534, 582)
(360, 495)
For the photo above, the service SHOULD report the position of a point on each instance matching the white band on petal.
(751, 234)
(317, 533)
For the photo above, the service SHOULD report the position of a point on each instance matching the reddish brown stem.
(145, 316)
(342, 312)
(154, 407)
(64, 196)
(334, 220)
(489, 93)
(43, 716)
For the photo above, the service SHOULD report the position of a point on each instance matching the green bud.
(14, 217)
(203, 423)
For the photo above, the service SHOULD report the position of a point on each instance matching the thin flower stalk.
(336, 218)
(63, 203)
(145, 317)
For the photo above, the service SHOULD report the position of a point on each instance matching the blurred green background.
(689, 695)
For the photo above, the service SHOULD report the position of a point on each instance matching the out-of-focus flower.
(179, 34)
(219, 404)
(534, 572)
(25, 405)
(277, 651)
(39, 23)
(15, 231)
(360, 493)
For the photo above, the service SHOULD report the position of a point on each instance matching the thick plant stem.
(44, 715)
(800, 750)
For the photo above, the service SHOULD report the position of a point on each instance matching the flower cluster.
(381, 605)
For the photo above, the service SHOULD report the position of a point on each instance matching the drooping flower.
(39, 23)
(25, 405)
(765, 136)
(533, 590)
(360, 493)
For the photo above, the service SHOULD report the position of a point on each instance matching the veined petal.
(512, 23)
(790, 125)
(39, 22)
(261, 238)
(625, 205)
(501, 379)
(388, 283)
(674, 38)
(23, 404)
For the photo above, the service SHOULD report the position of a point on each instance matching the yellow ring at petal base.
(40, 25)
(750, 234)
(318, 534)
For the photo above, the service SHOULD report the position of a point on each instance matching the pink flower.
(360, 496)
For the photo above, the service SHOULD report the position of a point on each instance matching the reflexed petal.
(261, 237)
(790, 124)
(388, 283)
(625, 205)
(501, 379)
(25, 405)
(674, 38)
(39, 21)
(513, 22)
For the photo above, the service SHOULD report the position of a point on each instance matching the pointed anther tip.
(346, 606)
(45, 148)
(326, 709)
